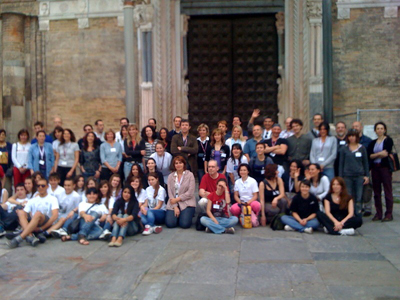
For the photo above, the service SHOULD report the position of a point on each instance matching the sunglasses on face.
(41, 185)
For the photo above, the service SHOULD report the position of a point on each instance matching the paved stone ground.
(185, 264)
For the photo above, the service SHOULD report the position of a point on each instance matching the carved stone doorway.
(232, 67)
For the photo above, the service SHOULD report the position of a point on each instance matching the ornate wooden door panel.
(232, 64)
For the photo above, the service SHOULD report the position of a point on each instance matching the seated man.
(218, 219)
(8, 215)
(208, 183)
(38, 215)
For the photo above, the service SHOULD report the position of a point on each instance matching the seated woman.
(152, 168)
(125, 217)
(137, 171)
(152, 211)
(246, 192)
(319, 183)
(272, 195)
(218, 219)
(90, 213)
(182, 202)
(339, 217)
(292, 178)
(304, 210)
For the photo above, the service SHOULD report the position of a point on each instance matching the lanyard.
(162, 162)
(291, 184)
(273, 143)
(184, 141)
(202, 147)
(65, 149)
(41, 152)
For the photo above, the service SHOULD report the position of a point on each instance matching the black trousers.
(105, 174)
(63, 171)
(353, 222)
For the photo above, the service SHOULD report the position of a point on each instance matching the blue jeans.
(128, 230)
(184, 219)
(292, 222)
(90, 230)
(223, 223)
(154, 216)
(355, 185)
(329, 172)
(69, 221)
(200, 174)
(86, 175)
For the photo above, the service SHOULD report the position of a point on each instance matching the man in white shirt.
(99, 124)
(42, 212)
(287, 133)
(55, 189)
(122, 122)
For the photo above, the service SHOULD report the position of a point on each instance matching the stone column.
(13, 59)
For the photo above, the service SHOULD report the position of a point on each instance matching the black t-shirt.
(304, 207)
(338, 213)
(277, 158)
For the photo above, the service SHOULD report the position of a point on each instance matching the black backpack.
(276, 223)
(199, 226)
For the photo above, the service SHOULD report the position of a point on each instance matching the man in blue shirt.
(40, 126)
(250, 147)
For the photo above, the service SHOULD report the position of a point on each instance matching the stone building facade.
(89, 59)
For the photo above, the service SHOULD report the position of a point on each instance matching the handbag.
(394, 164)
(75, 225)
(245, 216)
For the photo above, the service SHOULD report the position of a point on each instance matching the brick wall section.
(366, 64)
(85, 73)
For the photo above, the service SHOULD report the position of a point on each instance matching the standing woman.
(339, 217)
(124, 136)
(67, 156)
(152, 168)
(58, 131)
(324, 151)
(41, 156)
(319, 183)
(132, 153)
(378, 151)
(90, 157)
(165, 139)
(20, 152)
(148, 143)
(203, 143)
(136, 171)
(353, 167)
(110, 155)
(163, 160)
(272, 194)
(6, 159)
(218, 151)
(182, 202)
(237, 137)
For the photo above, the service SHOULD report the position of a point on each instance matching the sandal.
(65, 238)
(82, 240)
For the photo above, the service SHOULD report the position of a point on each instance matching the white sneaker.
(348, 231)
(147, 230)
(59, 233)
(157, 229)
(288, 228)
(326, 230)
(105, 234)
(308, 230)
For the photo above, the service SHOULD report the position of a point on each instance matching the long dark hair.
(143, 133)
(384, 126)
(86, 143)
(141, 174)
(140, 187)
(239, 147)
(320, 172)
(167, 139)
(156, 189)
(108, 195)
(344, 195)
(73, 139)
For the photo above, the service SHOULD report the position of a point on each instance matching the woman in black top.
(218, 151)
(125, 217)
(378, 152)
(203, 143)
(132, 153)
(272, 195)
(164, 138)
(339, 217)
(90, 157)
(151, 167)
(293, 178)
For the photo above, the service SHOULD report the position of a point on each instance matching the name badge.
(200, 155)
(321, 159)
(358, 154)
(216, 206)
(272, 154)
(63, 163)
(113, 150)
(262, 171)
(235, 168)
(342, 143)
(223, 154)
(41, 162)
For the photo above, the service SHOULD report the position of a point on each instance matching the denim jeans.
(154, 216)
(355, 187)
(90, 230)
(184, 219)
(292, 222)
(329, 172)
(69, 221)
(86, 175)
(9, 221)
(223, 223)
(200, 174)
(128, 230)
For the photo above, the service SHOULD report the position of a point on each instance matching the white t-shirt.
(11, 206)
(68, 203)
(19, 154)
(2, 195)
(246, 189)
(111, 202)
(153, 202)
(232, 166)
(55, 144)
(101, 209)
(44, 205)
(57, 192)
(163, 163)
(142, 196)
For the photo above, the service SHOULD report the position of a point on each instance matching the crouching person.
(218, 220)
(38, 214)
(125, 217)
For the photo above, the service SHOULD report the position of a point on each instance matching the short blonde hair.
(202, 125)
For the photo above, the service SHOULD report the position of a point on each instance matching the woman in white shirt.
(108, 200)
(234, 161)
(246, 192)
(19, 155)
(319, 183)
(163, 160)
(237, 137)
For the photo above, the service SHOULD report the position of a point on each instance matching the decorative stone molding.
(82, 10)
(280, 22)
(143, 16)
(314, 9)
(390, 7)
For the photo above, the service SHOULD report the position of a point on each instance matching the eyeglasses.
(41, 185)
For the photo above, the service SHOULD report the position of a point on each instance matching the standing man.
(99, 124)
(364, 140)
(276, 148)
(314, 133)
(299, 145)
(341, 132)
(57, 122)
(122, 122)
(39, 126)
(250, 147)
(287, 133)
(267, 132)
(223, 126)
(186, 145)
(237, 121)
(177, 129)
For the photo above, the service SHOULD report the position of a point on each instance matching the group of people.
(109, 185)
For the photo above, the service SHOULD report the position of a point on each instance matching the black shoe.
(46, 234)
(11, 235)
(41, 238)
(32, 240)
(367, 214)
(387, 219)
(376, 218)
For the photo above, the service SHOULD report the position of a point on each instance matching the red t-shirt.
(1, 172)
(219, 208)
(209, 184)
